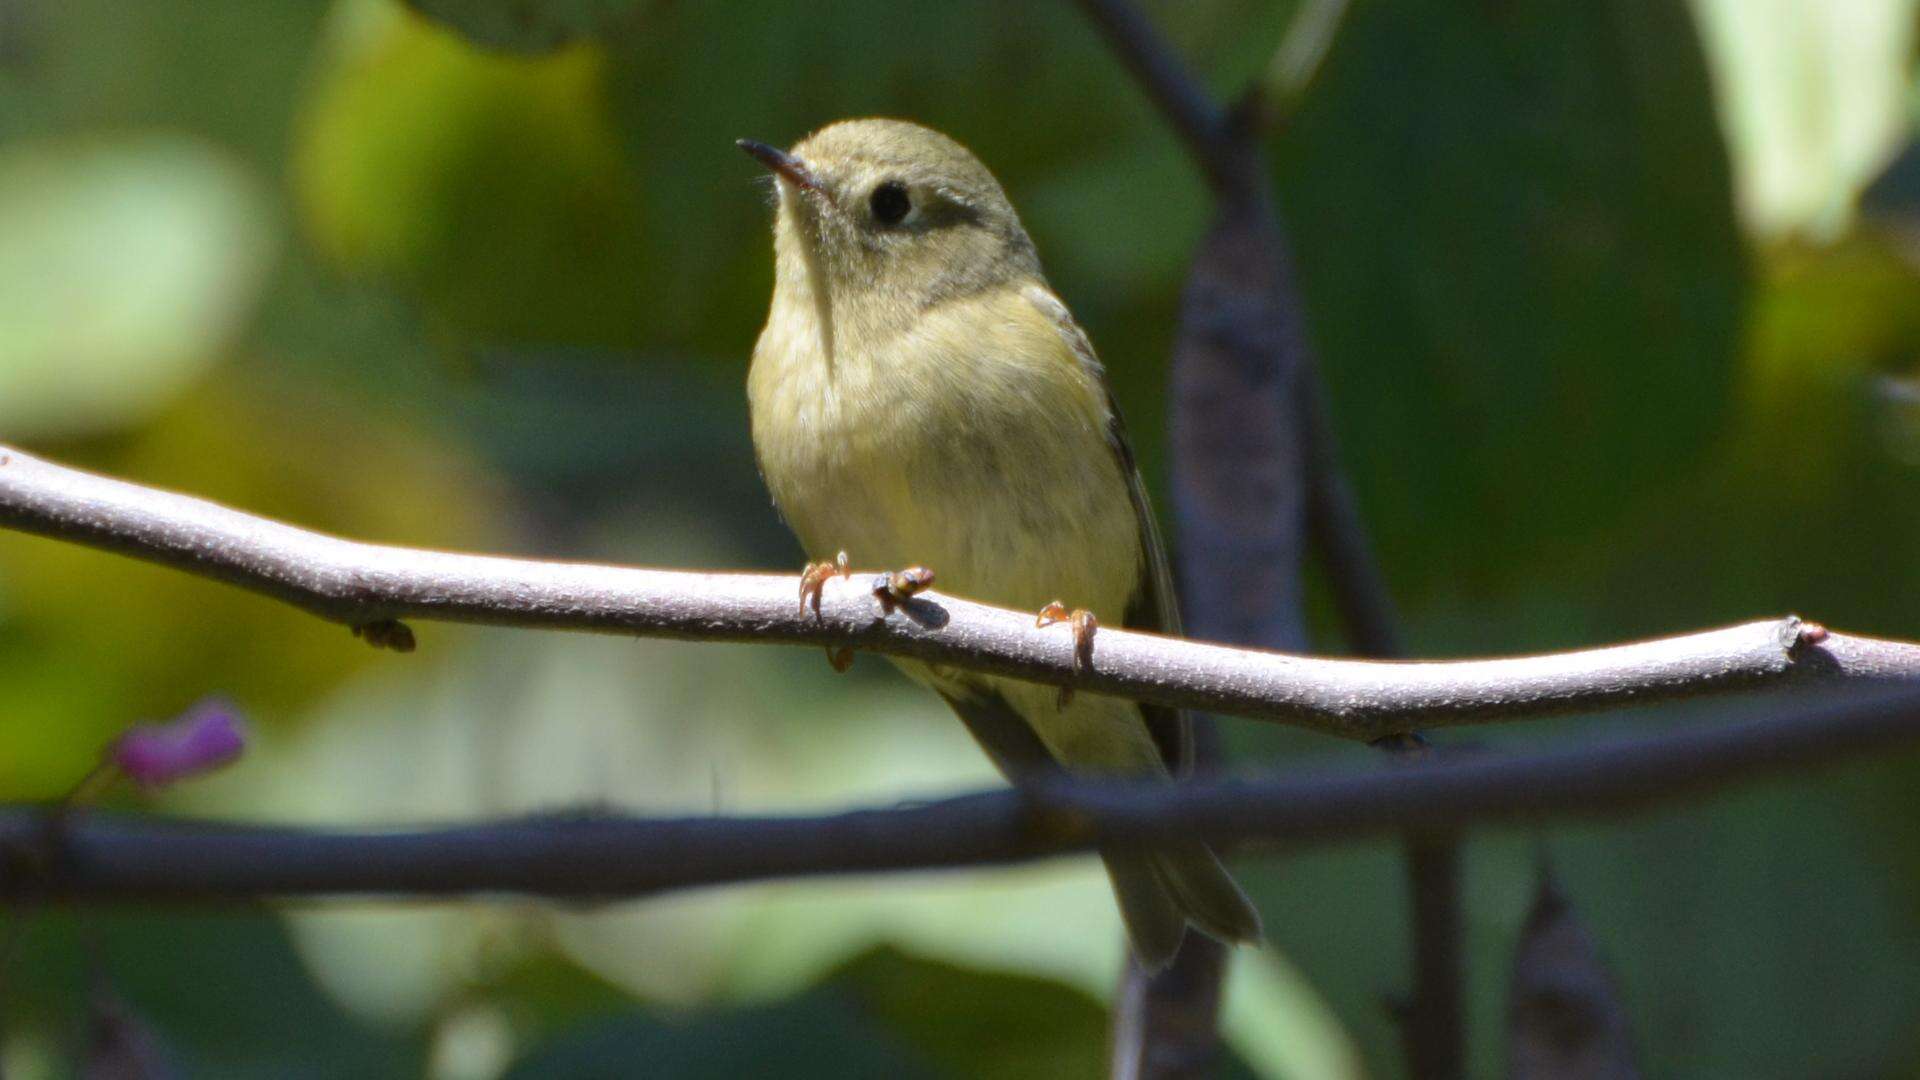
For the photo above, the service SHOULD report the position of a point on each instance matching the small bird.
(920, 395)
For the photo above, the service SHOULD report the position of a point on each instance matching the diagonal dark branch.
(358, 584)
(104, 856)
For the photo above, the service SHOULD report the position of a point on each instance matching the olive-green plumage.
(919, 395)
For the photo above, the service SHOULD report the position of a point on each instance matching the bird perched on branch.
(920, 395)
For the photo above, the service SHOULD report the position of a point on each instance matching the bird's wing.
(1006, 736)
(1153, 605)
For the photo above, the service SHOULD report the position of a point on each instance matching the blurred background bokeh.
(1618, 303)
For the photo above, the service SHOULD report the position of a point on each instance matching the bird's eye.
(890, 203)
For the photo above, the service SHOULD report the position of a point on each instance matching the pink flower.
(200, 740)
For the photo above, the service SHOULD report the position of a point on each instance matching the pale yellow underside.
(974, 443)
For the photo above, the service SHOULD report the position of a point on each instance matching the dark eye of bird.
(890, 203)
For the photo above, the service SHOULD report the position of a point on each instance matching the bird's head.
(891, 213)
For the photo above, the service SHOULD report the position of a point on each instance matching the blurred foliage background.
(1620, 307)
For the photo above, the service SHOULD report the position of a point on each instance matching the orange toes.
(814, 578)
(900, 586)
(1084, 624)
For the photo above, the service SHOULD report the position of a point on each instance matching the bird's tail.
(1162, 889)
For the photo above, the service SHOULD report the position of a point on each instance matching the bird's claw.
(1084, 624)
(890, 589)
(814, 578)
(901, 585)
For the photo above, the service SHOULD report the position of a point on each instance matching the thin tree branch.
(105, 856)
(360, 584)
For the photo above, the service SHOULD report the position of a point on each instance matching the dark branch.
(361, 584)
(104, 856)
(1433, 1023)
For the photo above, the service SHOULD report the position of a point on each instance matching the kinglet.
(920, 395)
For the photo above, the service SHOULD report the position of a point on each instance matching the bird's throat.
(802, 275)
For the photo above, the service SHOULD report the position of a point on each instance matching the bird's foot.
(814, 578)
(890, 589)
(1084, 625)
(900, 586)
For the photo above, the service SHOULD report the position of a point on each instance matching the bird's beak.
(783, 164)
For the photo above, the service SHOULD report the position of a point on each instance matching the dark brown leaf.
(1565, 1020)
(1239, 496)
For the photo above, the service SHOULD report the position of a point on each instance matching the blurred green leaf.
(819, 1035)
(1825, 452)
(224, 990)
(489, 188)
(1515, 229)
(529, 26)
(127, 266)
(976, 1023)
(1813, 97)
(226, 70)
(1771, 945)
(544, 993)
(92, 642)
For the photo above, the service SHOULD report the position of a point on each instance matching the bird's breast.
(973, 443)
